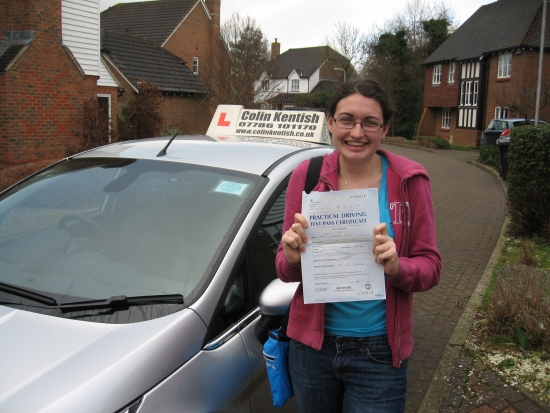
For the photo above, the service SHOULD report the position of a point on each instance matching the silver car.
(131, 282)
(499, 127)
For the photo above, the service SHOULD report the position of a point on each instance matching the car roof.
(516, 120)
(248, 154)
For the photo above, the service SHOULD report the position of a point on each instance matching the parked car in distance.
(140, 276)
(497, 126)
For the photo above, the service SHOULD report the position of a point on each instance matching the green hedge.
(489, 155)
(529, 181)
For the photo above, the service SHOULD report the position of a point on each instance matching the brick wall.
(42, 95)
(444, 94)
(177, 109)
(199, 36)
(524, 74)
(427, 122)
(193, 39)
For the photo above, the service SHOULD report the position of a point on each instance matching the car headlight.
(132, 407)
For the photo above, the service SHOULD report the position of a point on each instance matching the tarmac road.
(470, 207)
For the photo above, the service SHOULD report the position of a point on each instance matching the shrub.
(92, 130)
(527, 254)
(15, 173)
(141, 118)
(519, 306)
(406, 129)
(399, 140)
(529, 181)
(489, 155)
(433, 142)
(319, 100)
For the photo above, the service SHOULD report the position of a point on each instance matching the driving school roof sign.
(231, 121)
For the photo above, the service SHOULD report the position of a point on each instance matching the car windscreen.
(90, 229)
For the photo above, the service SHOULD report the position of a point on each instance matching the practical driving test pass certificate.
(338, 264)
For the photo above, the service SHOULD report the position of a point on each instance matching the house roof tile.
(153, 20)
(305, 61)
(139, 58)
(504, 24)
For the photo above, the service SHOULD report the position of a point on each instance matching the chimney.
(275, 49)
(214, 7)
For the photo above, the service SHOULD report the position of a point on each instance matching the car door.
(261, 252)
(255, 270)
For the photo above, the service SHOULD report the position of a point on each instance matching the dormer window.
(295, 85)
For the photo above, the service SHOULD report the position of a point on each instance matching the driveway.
(470, 205)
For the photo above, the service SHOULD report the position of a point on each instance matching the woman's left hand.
(384, 250)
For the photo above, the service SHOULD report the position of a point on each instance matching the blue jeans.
(349, 375)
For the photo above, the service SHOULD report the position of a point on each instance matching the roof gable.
(496, 26)
(152, 20)
(138, 58)
(304, 61)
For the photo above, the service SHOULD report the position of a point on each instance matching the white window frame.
(501, 112)
(436, 76)
(196, 65)
(109, 97)
(446, 118)
(504, 65)
(469, 92)
(452, 68)
(294, 85)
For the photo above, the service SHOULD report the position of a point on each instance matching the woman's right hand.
(294, 239)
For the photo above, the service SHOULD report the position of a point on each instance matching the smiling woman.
(333, 338)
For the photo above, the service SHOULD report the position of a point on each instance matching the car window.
(92, 229)
(500, 125)
(265, 245)
(256, 270)
(521, 123)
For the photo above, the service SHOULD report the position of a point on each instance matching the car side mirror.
(274, 302)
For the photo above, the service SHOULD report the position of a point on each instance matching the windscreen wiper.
(21, 292)
(121, 301)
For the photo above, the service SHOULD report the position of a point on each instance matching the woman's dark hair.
(366, 87)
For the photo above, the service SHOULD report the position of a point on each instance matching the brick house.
(187, 29)
(49, 66)
(301, 71)
(494, 55)
(133, 59)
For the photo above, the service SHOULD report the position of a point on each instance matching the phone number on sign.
(276, 125)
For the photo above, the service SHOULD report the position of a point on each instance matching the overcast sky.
(306, 23)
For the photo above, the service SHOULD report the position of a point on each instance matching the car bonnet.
(52, 364)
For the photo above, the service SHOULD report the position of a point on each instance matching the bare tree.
(395, 54)
(92, 129)
(142, 117)
(351, 43)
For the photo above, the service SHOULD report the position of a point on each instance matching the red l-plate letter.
(222, 121)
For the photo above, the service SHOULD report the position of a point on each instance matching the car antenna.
(163, 151)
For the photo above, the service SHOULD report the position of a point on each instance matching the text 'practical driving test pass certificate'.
(338, 264)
